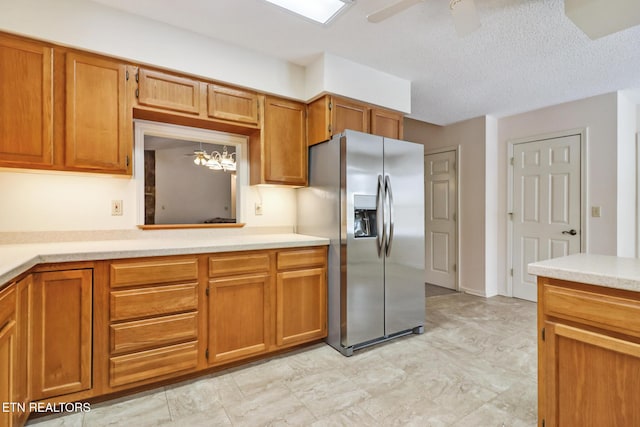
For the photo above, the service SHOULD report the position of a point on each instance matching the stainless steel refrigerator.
(366, 194)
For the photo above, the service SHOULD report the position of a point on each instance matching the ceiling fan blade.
(392, 9)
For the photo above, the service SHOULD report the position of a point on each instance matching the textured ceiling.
(526, 55)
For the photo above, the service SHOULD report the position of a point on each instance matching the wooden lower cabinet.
(238, 317)
(153, 319)
(8, 354)
(106, 327)
(301, 296)
(301, 306)
(61, 332)
(589, 355)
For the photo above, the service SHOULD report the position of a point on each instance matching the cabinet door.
(285, 145)
(319, 120)
(98, 123)
(61, 337)
(168, 92)
(387, 123)
(238, 317)
(23, 358)
(7, 366)
(26, 110)
(7, 353)
(231, 104)
(347, 114)
(301, 306)
(589, 378)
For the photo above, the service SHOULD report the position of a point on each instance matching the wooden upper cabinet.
(278, 155)
(319, 120)
(99, 133)
(389, 124)
(346, 114)
(330, 115)
(26, 106)
(237, 105)
(168, 92)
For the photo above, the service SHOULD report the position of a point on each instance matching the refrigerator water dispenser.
(364, 216)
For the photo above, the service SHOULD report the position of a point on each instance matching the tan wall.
(469, 138)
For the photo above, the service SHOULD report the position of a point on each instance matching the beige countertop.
(18, 258)
(602, 270)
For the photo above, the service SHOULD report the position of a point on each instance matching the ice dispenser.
(364, 221)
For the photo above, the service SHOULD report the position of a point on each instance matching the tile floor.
(474, 366)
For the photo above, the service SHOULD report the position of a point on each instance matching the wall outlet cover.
(116, 208)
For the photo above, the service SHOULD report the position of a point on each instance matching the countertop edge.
(45, 253)
(599, 270)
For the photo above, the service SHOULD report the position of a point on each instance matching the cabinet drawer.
(614, 313)
(151, 272)
(225, 265)
(149, 333)
(149, 364)
(7, 304)
(155, 301)
(301, 258)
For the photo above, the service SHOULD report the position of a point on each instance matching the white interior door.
(440, 219)
(546, 206)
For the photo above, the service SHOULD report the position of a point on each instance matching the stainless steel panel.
(319, 215)
(363, 290)
(404, 265)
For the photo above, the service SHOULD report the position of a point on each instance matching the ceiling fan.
(465, 16)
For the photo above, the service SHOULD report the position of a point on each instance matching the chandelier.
(215, 161)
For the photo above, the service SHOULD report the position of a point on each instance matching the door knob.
(572, 232)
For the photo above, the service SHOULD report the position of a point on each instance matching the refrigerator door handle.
(389, 196)
(380, 237)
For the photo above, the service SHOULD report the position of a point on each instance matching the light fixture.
(322, 11)
(214, 160)
(200, 158)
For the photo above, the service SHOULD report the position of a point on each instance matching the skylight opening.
(321, 11)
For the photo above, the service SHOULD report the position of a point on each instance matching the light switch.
(595, 211)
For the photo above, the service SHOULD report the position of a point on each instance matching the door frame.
(584, 194)
(457, 149)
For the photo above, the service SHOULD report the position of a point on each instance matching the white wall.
(40, 201)
(469, 136)
(599, 116)
(491, 207)
(626, 186)
(95, 27)
(333, 74)
(60, 201)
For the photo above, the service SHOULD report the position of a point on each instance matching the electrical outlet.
(258, 208)
(116, 208)
(595, 211)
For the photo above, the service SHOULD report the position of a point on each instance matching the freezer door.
(362, 282)
(404, 263)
